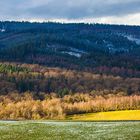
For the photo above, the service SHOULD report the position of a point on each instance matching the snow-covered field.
(43, 130)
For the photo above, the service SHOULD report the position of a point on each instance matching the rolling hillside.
(53, 70)
(74, 46)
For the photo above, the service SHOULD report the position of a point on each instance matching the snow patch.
(2, 30)
(131, 38)
(77, 50)
(72, 53)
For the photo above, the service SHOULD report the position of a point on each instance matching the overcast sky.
(101, 11)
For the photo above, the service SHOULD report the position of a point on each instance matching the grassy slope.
(69, 130)
(114, 115)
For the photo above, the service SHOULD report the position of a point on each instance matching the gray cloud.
(84, 9)
(66, 9)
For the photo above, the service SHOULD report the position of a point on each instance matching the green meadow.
(51, 130)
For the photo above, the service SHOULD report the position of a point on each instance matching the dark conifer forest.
(73, 46)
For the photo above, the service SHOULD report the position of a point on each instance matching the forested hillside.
(69, 58)
(102, 49)
(52, 70)
(31, 91)
(18, 77)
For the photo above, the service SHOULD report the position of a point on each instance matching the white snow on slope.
(131, 38)
(72, 53)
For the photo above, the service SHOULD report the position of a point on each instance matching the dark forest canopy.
(99, 48)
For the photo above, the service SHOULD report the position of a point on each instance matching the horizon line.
(67, 22)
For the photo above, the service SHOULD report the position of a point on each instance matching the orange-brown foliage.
(17, 106)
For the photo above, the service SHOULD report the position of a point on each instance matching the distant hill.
(91, 47)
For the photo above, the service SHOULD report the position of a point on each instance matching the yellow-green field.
(108, 116)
